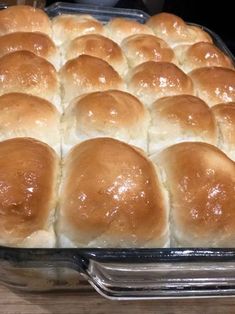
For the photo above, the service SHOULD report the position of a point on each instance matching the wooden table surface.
(14, 302)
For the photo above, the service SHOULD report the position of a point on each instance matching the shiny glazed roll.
(214, 84)
(201, 183)
(111, 197)
(23, 18)
(201, 55)
(38, 43)
(23, 115)
(225, 118)
(141, 48)
(28, 176)
(119, 28)
(110, 113)
(175, 31)
(86, 74)
(180, 118)
(23, 71)
(66, 27)
(151, 80)
(97, 46)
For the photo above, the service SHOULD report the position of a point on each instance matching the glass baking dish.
(122, 273)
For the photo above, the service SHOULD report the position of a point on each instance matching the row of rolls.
(115, 135)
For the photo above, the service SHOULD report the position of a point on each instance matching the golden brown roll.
(38, 43)
(119, 28)
(201, 182)
(110, 113)
(97, 46)
(178, 119)
(151, 80)
(175, 31)
(111, 197)
(141, 48)
(67, 27)
(23, 18)
(86, 74)
(201, 55)
(225, 118)
(214, 84)
(23, 71)
(23, 115)
(28, 176)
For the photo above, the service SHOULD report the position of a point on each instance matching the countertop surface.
(15, 302)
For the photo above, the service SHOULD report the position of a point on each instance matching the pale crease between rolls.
(110, 113)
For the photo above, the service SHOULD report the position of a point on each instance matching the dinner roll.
(119, 28)
(97, 46)
(38, 43)
(225, 117)
(23, 71)
(214, 84)
(23, 115)
(86, 74)
(28, 176)
(23, 18)
(152, 80)
(201, 55)
(180, 118)
(112, 197)
(175, 31)
(67, 27)
(111, 113)
(201, 183)
(141, 48)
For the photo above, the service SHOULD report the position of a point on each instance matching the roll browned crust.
(28, 176)
(97, 46)
(23, 18)
(175, 31)
(38, 43)
(141, 48)
(180, 118)
(152, 80)
(201, 182)
(201, 55)
(112, 197)
(86, 74)
(110, 113)
(23, 71)
(214, 84)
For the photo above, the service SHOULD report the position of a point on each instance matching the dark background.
(219, 16)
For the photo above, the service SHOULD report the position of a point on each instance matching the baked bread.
(112, 197)
(214, 84)
(180, 118)
(66, 27)
(97, 46)
(201, 55)
(119, 28)
(86, 74)
(24, 18)
(141, 48)
(225, 118)
(23, 115)
(151, 80)
(24, 72)
(38, 43)
(110, 113)
(201, 182)
(175, 31)
(29, 178)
